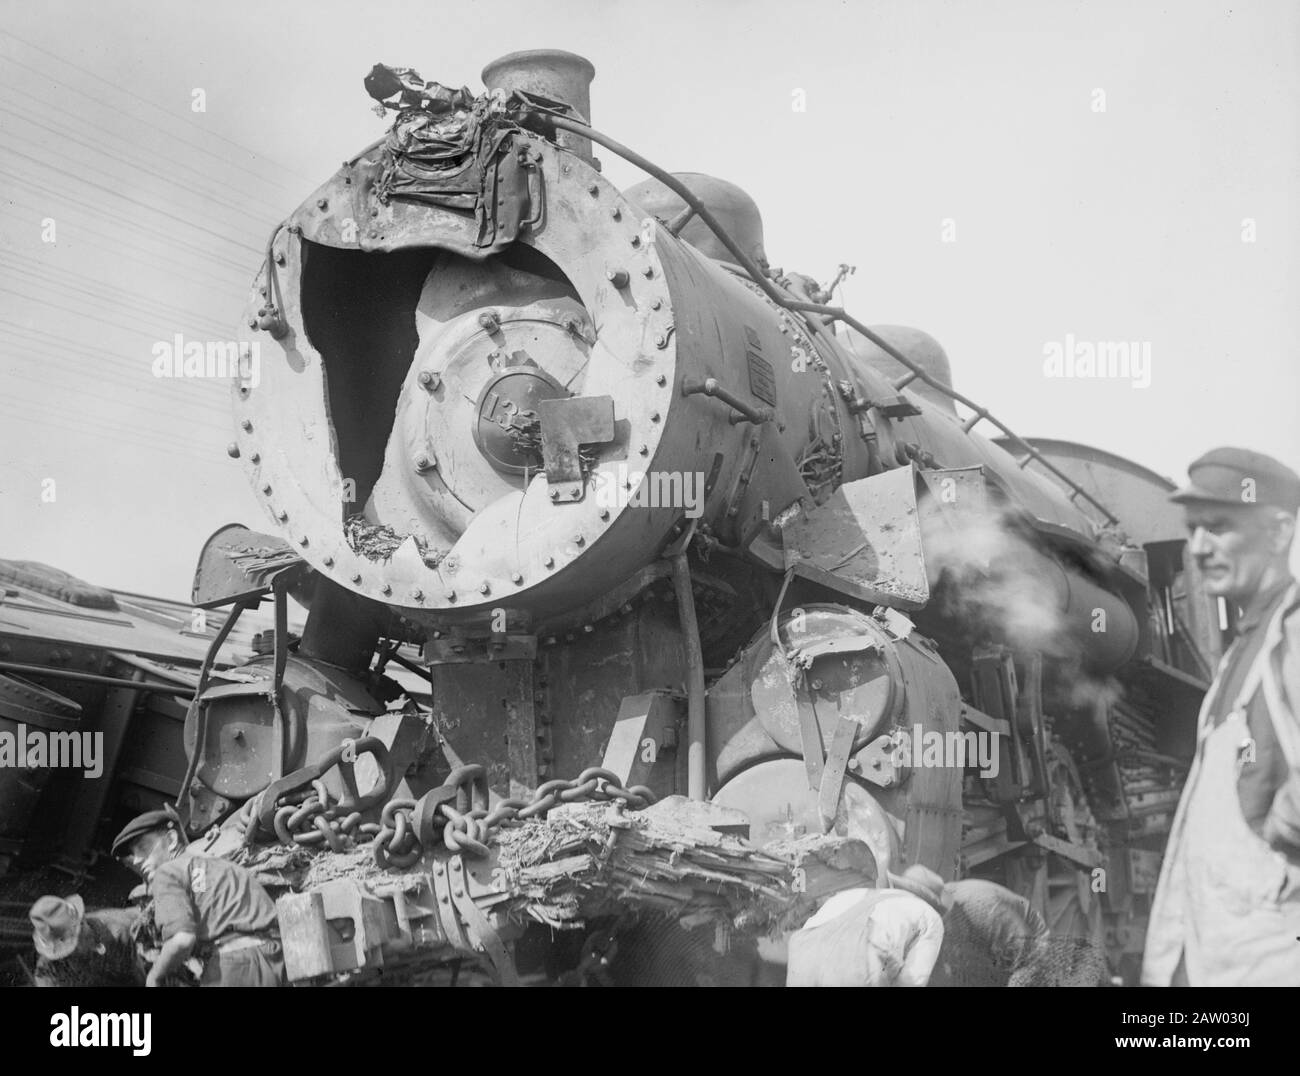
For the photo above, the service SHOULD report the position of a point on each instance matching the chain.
(409, 828)
(456, 813)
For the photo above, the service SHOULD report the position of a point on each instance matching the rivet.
(515, 577)
(575, 493)
(661, 380)
(386, 589)
(328, 562)
(636, 240)
(618, 277)
(593, 189)
(266, 488)
(555, 494)
(578, 539)
(654, 416)
(303, 541)
(648, 271)
(247, 425)
(356, 577)
(282, 516)
(644, 450)
(549, 562)
(280, 259)
(616, 213)
(484, 588)
(604, 513)
(252, 323)
(429, 379)
(661, 341)
(451, 595)
(656, 304)
(232, 450)
(255, 458)
(322, 203)
(417, 594)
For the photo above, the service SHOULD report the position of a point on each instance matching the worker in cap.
(1227, 906)
(79, 948)
(208, 907)
(886, 936)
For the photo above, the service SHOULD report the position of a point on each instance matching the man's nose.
(1199, 545)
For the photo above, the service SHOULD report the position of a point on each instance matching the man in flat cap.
(75, 947)
(205, 906)
(1227, 907)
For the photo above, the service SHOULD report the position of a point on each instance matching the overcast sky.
(1108, 171)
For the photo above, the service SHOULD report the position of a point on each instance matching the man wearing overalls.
(1227, 908)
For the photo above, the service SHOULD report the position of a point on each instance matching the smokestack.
(554, 73)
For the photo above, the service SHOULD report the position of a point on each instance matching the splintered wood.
(678, 857)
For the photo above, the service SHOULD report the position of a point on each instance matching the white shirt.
(867, 937)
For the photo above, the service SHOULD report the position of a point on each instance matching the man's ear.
(1282, 531)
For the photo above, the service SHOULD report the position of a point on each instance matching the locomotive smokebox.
(551, 73)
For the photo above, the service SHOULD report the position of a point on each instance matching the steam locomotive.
(643, 501)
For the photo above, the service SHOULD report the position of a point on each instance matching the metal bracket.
(878, 761)
(566, 424)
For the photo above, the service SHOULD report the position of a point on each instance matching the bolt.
(280, 259)
(555, 494)
(252, 323)
(247, 425)
(489, 321)
(661, 341)
(618, 277)
(451, 595)
(303, 541)
(817, 685)
(636, 240)
(322, 203)
(386, 589)
(616, 213)
(593, 189)
(232, 450)
(417, 594)
(855, 766)
(430, 380)
(484, 588)
(644, 450)
(266, 488)
(328, 562)
(661, 380)
(654, 416)
(648, 271)
(425, 462)
(282, 516)
(356, 577)
(578, 539)
(656, 304)
(255, 458)
(604, 513)
(549, 562)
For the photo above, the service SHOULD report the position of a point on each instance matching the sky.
(1009, 176)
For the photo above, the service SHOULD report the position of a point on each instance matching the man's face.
(1233, 547)
(149, 852)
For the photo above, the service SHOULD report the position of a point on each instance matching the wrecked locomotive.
(647, 504)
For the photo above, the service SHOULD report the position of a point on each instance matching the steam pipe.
(696, 774)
